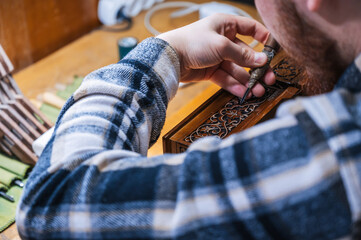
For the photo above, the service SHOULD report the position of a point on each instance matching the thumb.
(241, 54)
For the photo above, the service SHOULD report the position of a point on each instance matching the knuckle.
(247, 55)
(222, 44)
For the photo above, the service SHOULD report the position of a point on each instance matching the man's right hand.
(209, 50)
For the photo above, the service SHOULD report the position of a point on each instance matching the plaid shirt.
(297, 176)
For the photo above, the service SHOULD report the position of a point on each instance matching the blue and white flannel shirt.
(297, 176)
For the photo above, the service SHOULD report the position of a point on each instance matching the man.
(297, 176)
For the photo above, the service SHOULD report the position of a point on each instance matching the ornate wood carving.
(231, 115)
(223, 115)
(286, 71)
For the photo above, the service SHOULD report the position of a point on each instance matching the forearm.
(121, 106)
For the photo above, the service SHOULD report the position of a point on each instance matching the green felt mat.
(10, 169)
(52, 112)
(14, 166)
(70, 89)
(8, 209)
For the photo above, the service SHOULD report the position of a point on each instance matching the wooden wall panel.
(32, 29)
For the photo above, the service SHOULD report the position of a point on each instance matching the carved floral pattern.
(285, 71)
(232, 114)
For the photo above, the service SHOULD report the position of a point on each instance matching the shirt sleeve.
(94, 180)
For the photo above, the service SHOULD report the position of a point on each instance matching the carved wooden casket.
(222, 115)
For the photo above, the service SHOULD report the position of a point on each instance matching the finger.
(242, 76)
(237, 72)
(269, 78)
(250, 27)
(228, 83)
(258, 90)
(260, 58)
(243, 25)
(241, 54)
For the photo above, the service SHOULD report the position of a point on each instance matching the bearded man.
(297, 176)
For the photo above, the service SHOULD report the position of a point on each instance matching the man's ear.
(314, 5)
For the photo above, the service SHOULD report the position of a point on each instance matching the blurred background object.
(204, 9)
(32, 29)
(111, 12)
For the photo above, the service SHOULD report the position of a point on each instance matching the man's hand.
(209, 50)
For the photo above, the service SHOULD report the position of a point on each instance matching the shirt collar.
(351, 78)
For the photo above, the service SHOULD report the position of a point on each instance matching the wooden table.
(98, 49)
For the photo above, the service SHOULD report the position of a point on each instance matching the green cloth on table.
(7, 178)
(70, 89)
(8, 209)
(64, 94)
(14, 166)
(10, 169)
(50, 112)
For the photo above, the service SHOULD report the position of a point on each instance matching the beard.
(310, 48)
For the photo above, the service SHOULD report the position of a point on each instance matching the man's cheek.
(267, 12)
